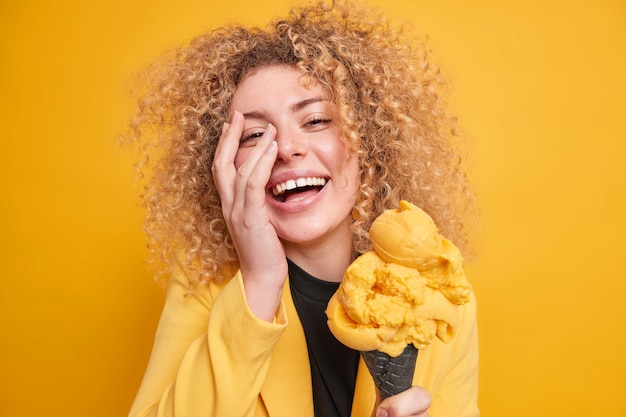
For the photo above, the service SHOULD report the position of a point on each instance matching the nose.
(291, 145)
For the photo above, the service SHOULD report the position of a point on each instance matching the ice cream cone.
(392, 375)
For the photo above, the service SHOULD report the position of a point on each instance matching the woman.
(276, 149)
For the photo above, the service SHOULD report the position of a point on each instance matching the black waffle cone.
(392, 375)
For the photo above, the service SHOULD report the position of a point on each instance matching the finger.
(223, 167)
(254, 173)
(228, 144)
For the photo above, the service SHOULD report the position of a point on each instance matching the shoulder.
(183, 290)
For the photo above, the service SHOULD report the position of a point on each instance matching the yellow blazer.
(213, 357)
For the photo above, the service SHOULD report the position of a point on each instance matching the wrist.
(263, 295)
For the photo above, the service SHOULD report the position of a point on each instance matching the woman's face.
(314, 182)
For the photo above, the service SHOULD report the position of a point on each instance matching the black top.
(333, 365)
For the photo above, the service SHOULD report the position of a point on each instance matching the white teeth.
(296, 183)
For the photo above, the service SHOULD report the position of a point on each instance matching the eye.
(317, 123)
(251, 137)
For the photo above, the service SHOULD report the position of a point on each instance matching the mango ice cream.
(399, 297)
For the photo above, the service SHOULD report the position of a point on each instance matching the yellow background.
(539, 85)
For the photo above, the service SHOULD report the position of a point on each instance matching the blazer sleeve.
(458, 392)
(211, 353)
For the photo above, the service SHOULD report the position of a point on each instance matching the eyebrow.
(302, 104)
(295, 107)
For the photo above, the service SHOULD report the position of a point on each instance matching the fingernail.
(382, 413)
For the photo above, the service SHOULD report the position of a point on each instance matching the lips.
(282, 191)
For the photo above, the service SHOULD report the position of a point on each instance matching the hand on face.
(284, 174)
(243, 198)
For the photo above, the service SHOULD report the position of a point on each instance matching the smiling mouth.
(286, 189)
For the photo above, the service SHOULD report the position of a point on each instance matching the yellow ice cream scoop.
(383, 306)
(404, 292)
(409, 237)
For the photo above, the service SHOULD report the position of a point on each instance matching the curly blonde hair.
(389, 100)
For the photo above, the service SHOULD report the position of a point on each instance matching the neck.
(326, 260)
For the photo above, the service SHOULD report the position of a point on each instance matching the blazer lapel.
(364, 393)
(287, 390)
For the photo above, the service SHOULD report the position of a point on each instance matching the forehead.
(276, 83)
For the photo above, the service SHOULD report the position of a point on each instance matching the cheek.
(347, 164)
(241, 156)
(349, 160)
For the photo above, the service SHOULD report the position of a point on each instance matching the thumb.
(413, 402)
(382, 412)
